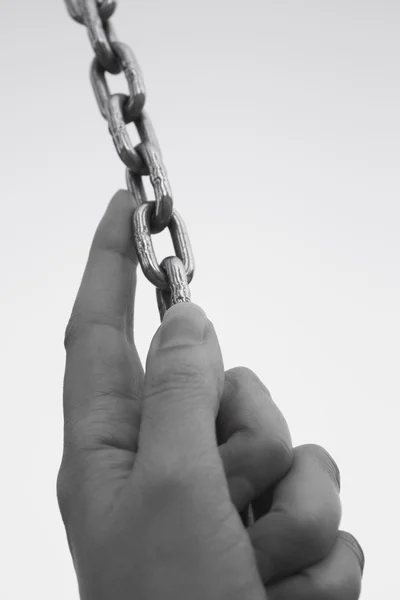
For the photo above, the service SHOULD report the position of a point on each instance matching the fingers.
(183, 383)
(103, 371)
(106, 295)
(301, 527)
(256, 447)
(337, 577)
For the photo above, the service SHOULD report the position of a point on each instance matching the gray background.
(280, 128)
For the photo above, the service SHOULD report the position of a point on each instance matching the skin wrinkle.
(78, 326)
(103, 426)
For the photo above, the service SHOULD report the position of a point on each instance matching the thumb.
(183, 384)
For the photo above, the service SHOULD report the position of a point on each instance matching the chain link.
(173, 275)
(100, 36)
(178, 282)
(145, 249)
(106, 9)
(133, 104)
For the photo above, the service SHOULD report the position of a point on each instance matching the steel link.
(133, 104)
(137, 91)
(135, 185)
(122, 141)
(106, 9)
(100, 35)
(159, 180)
(179, 288)
(145, 249)
(150, 150)
(177, 279)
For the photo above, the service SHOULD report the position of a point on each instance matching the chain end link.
(179, 288)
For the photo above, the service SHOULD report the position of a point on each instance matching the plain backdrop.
(280, 128)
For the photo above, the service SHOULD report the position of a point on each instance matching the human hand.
(156, 468)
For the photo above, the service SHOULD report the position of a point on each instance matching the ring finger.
(301, 526)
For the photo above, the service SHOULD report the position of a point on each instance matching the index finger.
(103, 369)
(106, 294)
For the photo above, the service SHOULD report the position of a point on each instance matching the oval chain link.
(100, 35)
(106, 9)
(134, 103)
(145, 249)
(119, 133)
(173, 275)
(178, 282)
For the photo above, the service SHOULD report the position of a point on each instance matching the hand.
(157, 467)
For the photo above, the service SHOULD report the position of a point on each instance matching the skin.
(158, 466)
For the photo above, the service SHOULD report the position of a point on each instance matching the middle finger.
(255, 444)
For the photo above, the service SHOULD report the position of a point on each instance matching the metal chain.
(173, 275)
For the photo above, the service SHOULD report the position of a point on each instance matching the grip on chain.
(179, 288)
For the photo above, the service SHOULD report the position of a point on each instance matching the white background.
(280, 129)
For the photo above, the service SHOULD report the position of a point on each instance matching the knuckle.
(239, 373)
(276, 447)
(310, 533)
(63, 491)
(78, 324)
(84, 322)
(282, 452)
(240, 376)
(275, 451)
(71, 330)
(326, 461)
(352, 543)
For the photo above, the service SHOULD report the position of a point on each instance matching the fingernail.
(184, 324)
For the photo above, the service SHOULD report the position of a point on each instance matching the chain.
(173, 275)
